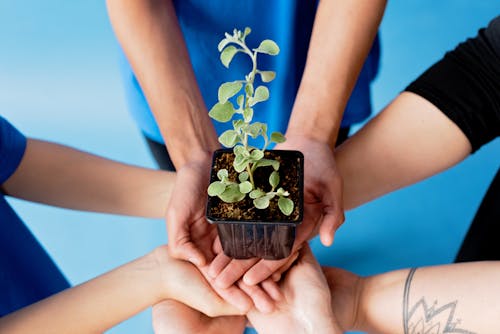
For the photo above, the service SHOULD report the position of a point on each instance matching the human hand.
(171, 316)
(323, 212)
(306, 303)
(190, 236)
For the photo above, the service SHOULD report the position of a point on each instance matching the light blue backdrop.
(59, 81)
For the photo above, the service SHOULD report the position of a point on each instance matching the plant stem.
(250, 176)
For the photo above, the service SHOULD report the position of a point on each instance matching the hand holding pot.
(306, 304)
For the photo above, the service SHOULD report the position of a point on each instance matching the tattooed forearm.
(434, 319)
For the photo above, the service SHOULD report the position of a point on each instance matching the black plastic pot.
(247, 232)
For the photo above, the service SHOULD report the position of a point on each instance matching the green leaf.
(222, 112)
(249, 89)
(282, 192)
(222, 174)
(232, 194)
(222, 44)
(239, 150)
(267, 76)
(277, 137)
(228, 89)
(267, 162)
(245, 187)
(261, 94)
(237, 124)
(227, 55)
(285, 205)
(256, 193)
(262, 202)
(269, 47)
(248, 114)
(228, 138)
(256, 155)
(255, 129)
(274, 179)
(241, 166)
(216, 188)
(243, 176)
(240, 100)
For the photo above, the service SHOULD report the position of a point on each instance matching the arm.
(342, 36)
(151, 38)
(103, 302)
(457, 298)
(58, 175)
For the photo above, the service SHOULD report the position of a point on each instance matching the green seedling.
(246, 157)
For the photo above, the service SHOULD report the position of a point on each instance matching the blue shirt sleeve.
(12, 147)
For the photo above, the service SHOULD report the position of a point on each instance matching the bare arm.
(151, 38)
(407, 142)
(458, 298)
(342, 36)
(61, 176)
(103, 302)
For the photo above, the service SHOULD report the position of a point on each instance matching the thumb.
(331, 222)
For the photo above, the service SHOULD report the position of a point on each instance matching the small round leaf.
(227, 55)
(274, 179)
(245, 187)
(261, 202)
(228, 138)
(269, 47)
(243, 176)
(222, 112)
(228, 89)
(216, 188)
(261, 94)
(256, 193)
(277, 137)
(222, 174)
(267, 76)
(232, 194)
(256, 155)
(285, 205)
(248, 114)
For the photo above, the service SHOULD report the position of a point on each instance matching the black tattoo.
(425, 319)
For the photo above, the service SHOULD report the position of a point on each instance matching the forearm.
(58, 175)
(342, 36)
(94, 306)
(458, 298)
(151, 38)
(407, 142)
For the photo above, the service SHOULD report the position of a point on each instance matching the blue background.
(59, 80)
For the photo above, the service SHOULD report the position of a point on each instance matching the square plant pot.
(246, 231)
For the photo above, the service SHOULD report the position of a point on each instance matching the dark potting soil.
(289, 171)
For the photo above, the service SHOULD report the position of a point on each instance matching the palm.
(190, 235)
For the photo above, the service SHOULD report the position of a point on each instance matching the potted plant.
(255, 195)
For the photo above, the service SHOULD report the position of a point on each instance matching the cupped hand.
(306, 303)
(323, 213)
(190, 236)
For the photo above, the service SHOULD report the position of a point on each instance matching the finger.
(291, 260)
(234, 271)
(272, 289)
(217, 246)
(218, 264)
(331, 222)
(263, 270)
(232, 295)
(188, 252)
(262, 301)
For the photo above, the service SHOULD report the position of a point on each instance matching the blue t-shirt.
(287, 22)
(27, 273)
